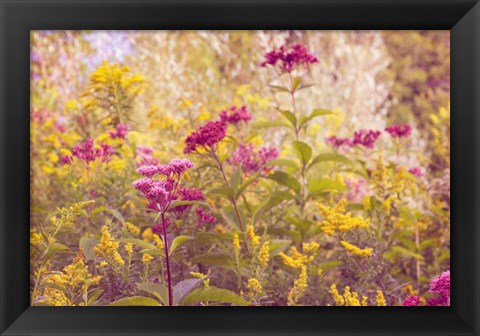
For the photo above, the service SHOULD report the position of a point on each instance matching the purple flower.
(145, 155)
(411, 301)
(251, 159)
(148, 170)
(366, 138)
(179, 166)
(87, 152)
(399, 131)
(337, 143)
(120, 132)
(206, 136)
(204, 218)
(440, 286)
(235, 115)
(289, 59)
(416, 171)
(187, 194)
(66, 159)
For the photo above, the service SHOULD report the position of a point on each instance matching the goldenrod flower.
(264, 255)
(254, 239)
(336, 220)
(350, 248)
(107, 248)
(380, 299)
(296, 260)
(146, 258)
(236, 243)
(133, 229)
(129, 248)
(339, 300)
(300, 285)
(254, 287)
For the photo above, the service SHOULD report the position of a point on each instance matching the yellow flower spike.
(236, 242)
(146, 258)
(129, 248)
(254, 287)
(336, 220)
(147, 235)
(364, 301)
(158, 241)
(133, 229)
(264, 255)
(103, 264)
(107, 248)
(300, 285)
(352, 249)
(254, 239)
(381, 299)
(296, 260)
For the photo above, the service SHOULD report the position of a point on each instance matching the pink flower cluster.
(288, 59)
(214, 131)
(441, 287)
(357, 190)
(235, 115)
(186, 194)
(338, 142)
(399, 131)
(120, 132)
(206, 136)
(145, 155)
(416, 171)
(366, 138)
(251, 159)
(160, 193)
(88, 152)
(204, 218)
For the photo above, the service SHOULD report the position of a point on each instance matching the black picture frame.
(18, 17)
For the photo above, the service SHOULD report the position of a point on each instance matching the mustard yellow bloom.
(381, 299)
(146, 258)
(254, 287)
(336, 220)
(254, 239)
(300, 285)
(264, 255)
(352, 249)
(296, 260)
(107, 248)
(133, 229)
(236, 242)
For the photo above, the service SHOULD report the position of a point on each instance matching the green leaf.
(94, 295)
(303, 151)
(230, 215)
(87, 244)
(279, 88)
(156, 289)
(98, 210)
(321, 185)
(329, 157)
(290, 117)
(403, 251)
(135, 301)
(236, 178)
(53, 249)
(329, 265)
(214, 259)
(178, 241)
(175, 204)
(244, 185)
(156, 251)
(286, 180)
(279, 245)
(303, 225)
(275, 198)
(315, 113)
(183, 288)
(226, 192)
(296, 83)
(269, 124)
(138, 242)
(284, 163)
(216, 294)
(117, 215)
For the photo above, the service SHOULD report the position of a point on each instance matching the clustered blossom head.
(205, 137)
(235, 115)
(411, 301)
(145, 155)
(204, 218)
(338, 143)
(289, 59)
(88, 152)
(399, 131)
(65, 159)
(188, 194)
(120, 132)
(357, 190)
(416, 171)
(252, 160)
(440, 286)
(161, 192)
(366, 138)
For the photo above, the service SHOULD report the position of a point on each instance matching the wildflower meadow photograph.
(240, 168)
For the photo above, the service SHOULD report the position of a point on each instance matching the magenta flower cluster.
(88, 152)
(160, 193)
(145, 155)
(338, 142)
(204, 218)
(188, 194)
(365, 138)
(399, 131)
(441, 287)
(416, 171)
(120, 132)
(208, 136)
(288, 59)
(235, 115)
(411, 301)
(251, 159)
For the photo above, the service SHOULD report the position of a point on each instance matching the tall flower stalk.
(160, 195)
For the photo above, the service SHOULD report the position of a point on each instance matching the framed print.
(227, 167)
